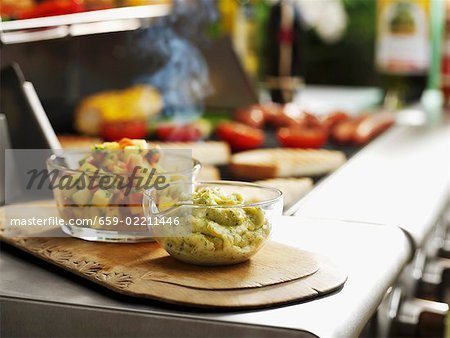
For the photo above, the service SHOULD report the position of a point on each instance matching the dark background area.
(64, 71)
(350, 61)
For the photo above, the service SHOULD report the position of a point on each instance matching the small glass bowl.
(121, 217)
(212, 234)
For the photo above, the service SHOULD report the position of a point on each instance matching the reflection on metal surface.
(137, 12)
(412, 117)
(415, 314)
(400, 179)
(355, 246)
(93, 22)
(104, 27)
(40, 35)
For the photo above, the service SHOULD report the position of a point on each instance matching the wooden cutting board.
(278, 274)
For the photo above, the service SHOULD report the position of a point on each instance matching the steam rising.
(182, 73)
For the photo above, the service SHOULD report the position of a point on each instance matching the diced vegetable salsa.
(110, 182)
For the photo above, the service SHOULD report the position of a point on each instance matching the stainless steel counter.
(401, 179)
(36, 299)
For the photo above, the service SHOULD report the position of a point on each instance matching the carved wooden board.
(278, 274)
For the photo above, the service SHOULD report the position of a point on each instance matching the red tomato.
(308, 120)
(283, 120)
(252, 116)
(239, 136)
(302, 137)
(178, 133)
(113, 131)
(271, 110)
(331, 120)
(288, 116)
(295, 118)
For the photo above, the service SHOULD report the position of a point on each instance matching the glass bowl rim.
(227, 206)
(196, 165)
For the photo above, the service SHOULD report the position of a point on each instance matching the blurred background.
(221, 77)
(191, 58)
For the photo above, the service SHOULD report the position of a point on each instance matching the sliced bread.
(208, 152)
(281, 162)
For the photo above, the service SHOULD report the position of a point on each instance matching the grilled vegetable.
(239, 136)
(373, 126)
(302, 137)
(137, 103)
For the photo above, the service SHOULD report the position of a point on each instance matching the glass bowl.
(104, 206)
(224, 229)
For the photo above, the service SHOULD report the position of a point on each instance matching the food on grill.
(344, 132)
(290, 115)
(278, 162)
(331, 120)
(295, 128)
(302, 137)
(362, 129)
(137, 103)
(293, 189)
(252, 116)
(116, 130)
(274, 114)
(168, 132)
(271, 110)
(373, 126)
(309, 131)
(299, 129)
(184, 132)
(208, 152)
(240, 136)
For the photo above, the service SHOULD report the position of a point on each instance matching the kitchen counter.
(353, 216)
(39, 299)
(401, 179)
